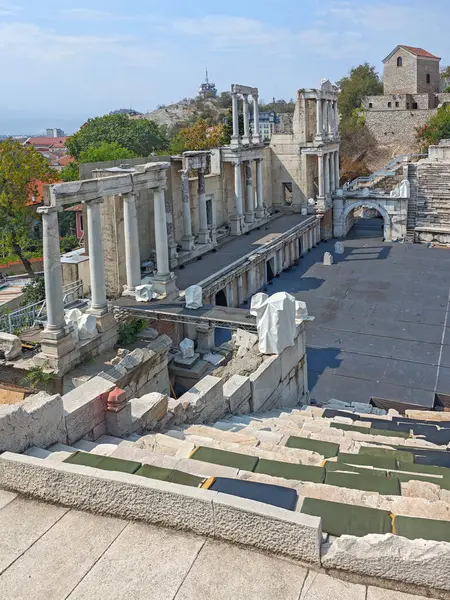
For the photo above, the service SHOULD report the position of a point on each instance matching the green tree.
(362, 81)
(105, 151)
(435, 129)
(20, 168)
(70, 172)
(228, 127)
(140, 136)
(200, 136)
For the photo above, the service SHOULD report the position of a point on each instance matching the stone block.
(267, 527)
(416, 562)
(13, 428)
(206, 400)
(46, 419)
(328, 259)
(264, 382)
(291, 357)
(339, 248)
(10, 346)
(119, 423)
(360, 407)
(148, 410)
(84, 407)
(237, 392)
(112, 493)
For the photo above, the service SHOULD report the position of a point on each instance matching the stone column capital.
(49, 210)
(130, 196)
(94, 201)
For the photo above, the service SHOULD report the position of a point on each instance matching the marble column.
(321, 176)
(327, 174)
(52, 269)
(336, 119)
(246, 139)
(187, 242)
(236, 220)
(203, 234)
(330, 118)
(256, 137)
(213, 227)
(260, 212)
(319, 120)
(325, 118)
(235, 113)
(132, 251)
(250, 212)
(162, 249)
(333, 171)
(337, 175)
(99, 305)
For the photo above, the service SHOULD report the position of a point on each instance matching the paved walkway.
(51, 553)
(234, 249)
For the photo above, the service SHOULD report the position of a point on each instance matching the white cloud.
(9, 10)
(226, 34)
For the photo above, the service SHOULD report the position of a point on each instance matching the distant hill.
(125, 111)
(188, 111)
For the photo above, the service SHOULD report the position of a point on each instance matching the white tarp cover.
(187, 348)
(87, 327)
(301, 310)
(144, 293)
(275, 319)
(194, 297)
(71, 317)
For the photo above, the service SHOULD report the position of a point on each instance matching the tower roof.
(420, 52)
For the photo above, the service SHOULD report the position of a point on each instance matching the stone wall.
(140, 380)
(400, 79)
(397, 127)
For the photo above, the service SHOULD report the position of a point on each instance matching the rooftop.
(420, 52)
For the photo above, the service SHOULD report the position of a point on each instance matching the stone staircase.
(354, 459)
(433, 197)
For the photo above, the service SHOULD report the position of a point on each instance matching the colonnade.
(248, 137)
(328, 172)
(52, 257)
(327, 119)
(253, 210)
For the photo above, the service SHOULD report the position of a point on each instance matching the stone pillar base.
(234, 141)
(250, 217)
(205, 338)
(237, 226)
(164, 286)
(56, 344)
(260, 213)
(214, 237)
(203, 237)
(246, 140)
(188, 243)
(105, 322)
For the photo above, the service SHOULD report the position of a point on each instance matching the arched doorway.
(221, 334)
(221, 299)
(348, 218)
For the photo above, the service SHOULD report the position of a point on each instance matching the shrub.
(129, 330)
(33, 292)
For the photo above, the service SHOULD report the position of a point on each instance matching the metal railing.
(35, 314)
(388, 170)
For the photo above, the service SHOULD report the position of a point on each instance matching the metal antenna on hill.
(207, 78)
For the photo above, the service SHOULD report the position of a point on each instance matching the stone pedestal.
(237, 226)
(205, 338)
(164, 285)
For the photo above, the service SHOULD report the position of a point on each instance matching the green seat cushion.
(389, 433)
(407, 457)
(405, 477)
(326, 449)
(382, 462)
(117, 464)
(103, 462)
(84, 458)
(426, 529)
(290, 470)
(389, 486)
(424, 469)
(227, 459)
(346, 427)
(343, 519)
(332, 466)
(171, 475)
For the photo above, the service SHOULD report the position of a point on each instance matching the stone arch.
(369, 204)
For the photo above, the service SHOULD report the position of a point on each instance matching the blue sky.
(63, 61)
